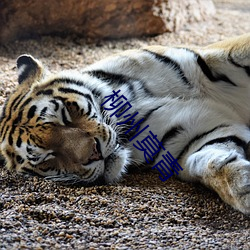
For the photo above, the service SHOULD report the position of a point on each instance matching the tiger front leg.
(224, 170)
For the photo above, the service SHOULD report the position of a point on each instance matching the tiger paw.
(232, 182)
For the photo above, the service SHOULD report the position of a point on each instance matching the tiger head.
(53, 126)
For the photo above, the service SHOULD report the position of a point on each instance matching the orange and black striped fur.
(195, 99)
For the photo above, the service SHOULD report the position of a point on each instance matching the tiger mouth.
(98, 148)
(97, 156)
(112, 155)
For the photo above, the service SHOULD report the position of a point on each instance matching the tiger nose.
(96, 153)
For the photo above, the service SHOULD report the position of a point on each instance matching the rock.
(98, 19)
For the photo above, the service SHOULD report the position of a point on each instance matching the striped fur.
(194, 99)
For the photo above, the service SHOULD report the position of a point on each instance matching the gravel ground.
(141, 212)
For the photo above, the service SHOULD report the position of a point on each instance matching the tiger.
(194, 99)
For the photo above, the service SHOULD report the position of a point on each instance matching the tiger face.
(53, 127)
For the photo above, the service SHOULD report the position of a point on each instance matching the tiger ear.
(29, 69)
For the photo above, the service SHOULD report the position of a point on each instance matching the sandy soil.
(140, 212)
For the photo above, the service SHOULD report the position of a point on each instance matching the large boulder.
(98, 18)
